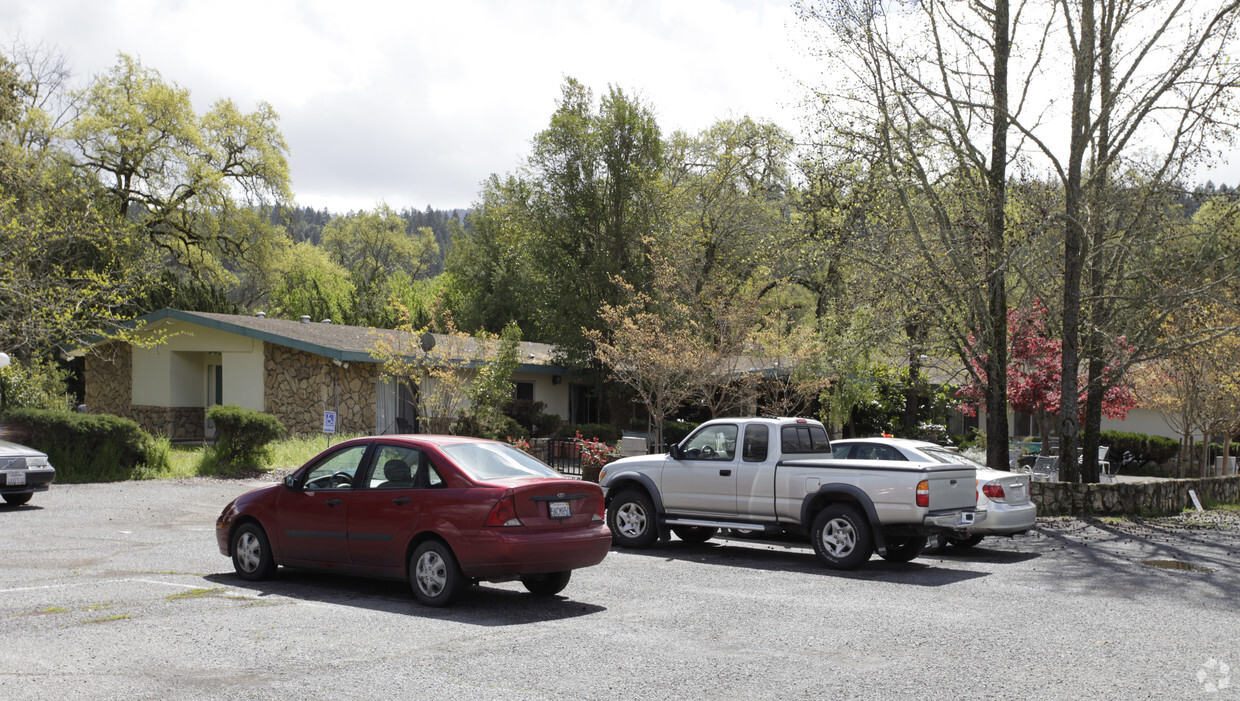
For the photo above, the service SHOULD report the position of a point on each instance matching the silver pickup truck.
(776, 477)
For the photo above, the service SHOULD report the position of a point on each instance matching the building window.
(525, 390)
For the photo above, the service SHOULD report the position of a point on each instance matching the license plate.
(17, 478)
(560, 509)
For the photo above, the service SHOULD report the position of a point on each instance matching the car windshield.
(483, 461)
(947, 457)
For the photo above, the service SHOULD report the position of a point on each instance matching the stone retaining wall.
(1129, 498)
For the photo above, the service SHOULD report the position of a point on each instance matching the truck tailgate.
(952, 487)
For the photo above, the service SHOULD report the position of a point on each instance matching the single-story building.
(297, 371)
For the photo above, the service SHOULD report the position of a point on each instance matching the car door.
(313, 514)
(703, 480)
(755, 476)
(386, 506)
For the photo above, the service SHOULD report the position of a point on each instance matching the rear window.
(483, 461)
(949, 458)
(804, 439)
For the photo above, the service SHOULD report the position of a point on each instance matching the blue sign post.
(329, 422)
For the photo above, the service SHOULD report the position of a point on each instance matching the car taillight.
(600, 514)
(994, 491)
(504, 513)
(923, 493)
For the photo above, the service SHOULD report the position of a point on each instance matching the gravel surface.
(118, 591)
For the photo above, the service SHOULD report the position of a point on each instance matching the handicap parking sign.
(329, 422)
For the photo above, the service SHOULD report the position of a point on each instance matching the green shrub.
(1137, 449)
(243, 437)
(496, 427)
(603, 432)
(675, 431)
(88, 447)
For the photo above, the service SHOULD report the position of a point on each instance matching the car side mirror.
(290, 482)
(675, 452)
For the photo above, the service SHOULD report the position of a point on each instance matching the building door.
(215, 394)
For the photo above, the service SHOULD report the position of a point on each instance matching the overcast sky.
(415, 103)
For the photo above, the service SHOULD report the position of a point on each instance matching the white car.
(23, 471)
(1004, 495)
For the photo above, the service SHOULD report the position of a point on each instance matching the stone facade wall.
(183, 423)
(109, 380)
(300, 386)
(1125, 498)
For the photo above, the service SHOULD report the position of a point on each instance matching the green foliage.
(173, 172)
(373, 247)
(243, 437)
(603, 432)
(676, 431)
(561, 236)
(1138, 449)
(311, 283)
(88, 447)
(37, 384)
(492, 387)
(532, 419)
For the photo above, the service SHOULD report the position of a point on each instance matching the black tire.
(434, 574)
(964, 543)
(17, 499)
(842, 537)
(548, 584)
(694, 534)
(631, 518)
(904, 548)
(251, 553)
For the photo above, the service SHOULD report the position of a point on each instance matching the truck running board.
(720, 524)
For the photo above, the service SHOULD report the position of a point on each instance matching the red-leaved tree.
(1034, 374)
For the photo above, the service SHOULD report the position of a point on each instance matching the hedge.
(1138, 448)
(85, 447)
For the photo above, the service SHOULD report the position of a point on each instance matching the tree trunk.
(912, 394)
(995, 334)
(1074, 243)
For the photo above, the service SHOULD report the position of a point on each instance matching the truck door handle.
(332, 502)
(725, 473)
(401, 501)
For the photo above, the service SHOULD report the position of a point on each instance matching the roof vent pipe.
(305, 318)
(261, 315)
(327, 321)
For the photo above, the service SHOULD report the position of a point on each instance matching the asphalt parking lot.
(118, 591)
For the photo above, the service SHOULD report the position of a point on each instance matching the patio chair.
(1046, 469)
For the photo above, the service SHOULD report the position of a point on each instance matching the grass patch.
(185, 461)
(296, 451)
(196, 594)
(49, 610)
(106, 619)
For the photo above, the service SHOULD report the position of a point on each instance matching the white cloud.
(416, 103)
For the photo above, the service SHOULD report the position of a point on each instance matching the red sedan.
(440, 511)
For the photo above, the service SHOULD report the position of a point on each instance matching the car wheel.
(548, 584)
(630, 516)
(694, 534)
(434, 574)
(252, 553)
(842, 537)
(969, 542)
(904, 548)
(17, 499)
